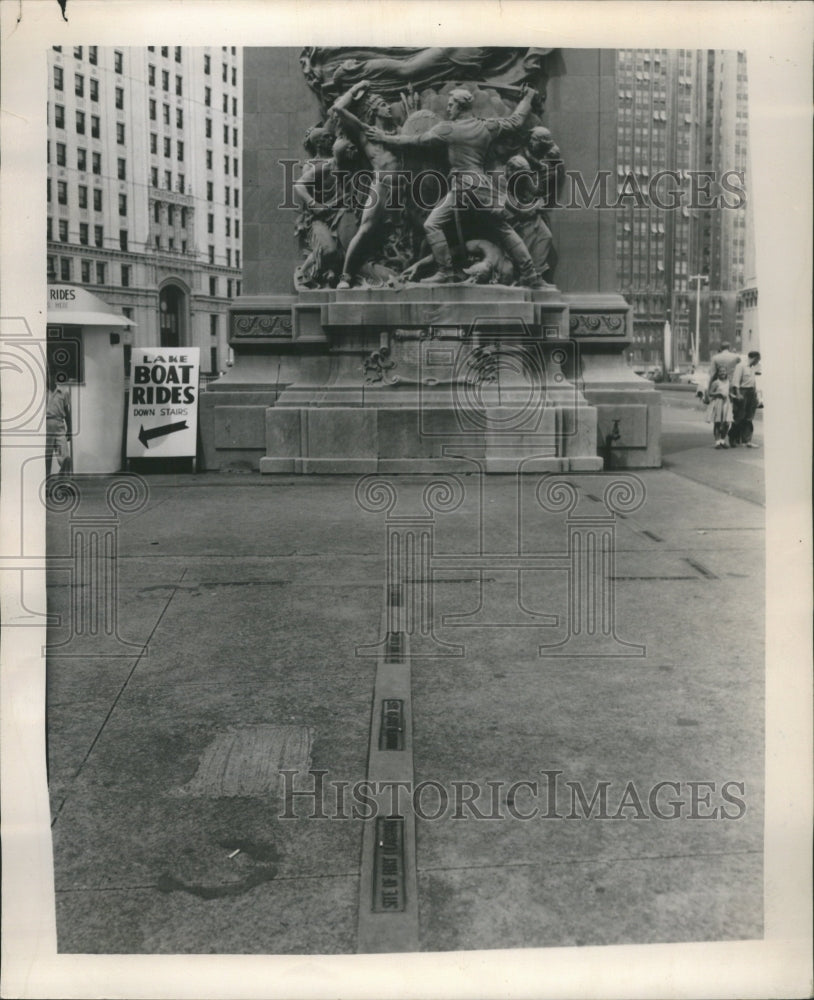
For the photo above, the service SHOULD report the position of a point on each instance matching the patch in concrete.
(247, 760)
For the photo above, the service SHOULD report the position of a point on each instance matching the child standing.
(719, 411)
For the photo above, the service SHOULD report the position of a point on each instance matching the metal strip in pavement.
(388, 883)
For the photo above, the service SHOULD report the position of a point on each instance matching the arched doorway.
(172, 316)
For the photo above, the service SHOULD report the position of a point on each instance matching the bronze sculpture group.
(406, 185)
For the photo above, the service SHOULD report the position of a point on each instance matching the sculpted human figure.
(383, 193)
(467, 141)
(525, 212)
(327, 217)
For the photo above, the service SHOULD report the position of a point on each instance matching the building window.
(153, 142)
(168, 180)
(237, 198)
(228, 226)
(100, 272)
(157, 211)
(165, 80)
(207, 65)
(210, 223)
(209, 159)
(234, 76)
(61, 154)
(158, 242)
(98, 236)
(63, 230)
(122, 204)
(234, 166)
(154, 176)
(170, 215)
(226, 195)
(225, 73)
(181, 183)
(178, 53)
(94, 90)
(166, 113)
(226, 165)
(59, 116)
(226, 104)
(208, 96)
(213, 285)
(119, 97)
(211, 255)
(183, 246)
(171, 243)
(120, 133)
(237, 225)
(125, 275)
(65, 268)
(80, 122)
(228, 288)
(226, 133)
(183, 218)
(123, 240)
(62, 192)
(210, 191)
(167, 147)
(118, 62)
(237, 258)
(179, 118)
(83, 233)
(79, 85)
(96, 159)
(208, 128)
(127, 312)
(179, 86)
(237, 288)
(151, 75)
(83, 196)
(122, 169)
(165, 51)
(234, 136)
(152, 110)
(228, 257)
(49, 234)
(93, 55)
(85, 272)
(95, 126)
(179, 150)
(97, 199)
(57, 78)
(234, 106)
(213, 325)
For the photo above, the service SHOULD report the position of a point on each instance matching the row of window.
(87, 271)
(165, 80)
(213, 291)
(98, 234)
(179, 114)
(167, 180)
(82, 160)
(179, 147)
(93, 56)
(81, 123)
(82, 197)
(165, 51)
(208, 101)
(182, 214)
(210, 225)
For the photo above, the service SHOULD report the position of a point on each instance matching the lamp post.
(698, 279)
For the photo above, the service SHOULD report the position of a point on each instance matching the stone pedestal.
(429, 378)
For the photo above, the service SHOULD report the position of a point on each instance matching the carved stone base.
(424, 378)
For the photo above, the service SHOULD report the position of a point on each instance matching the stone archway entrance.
(172, 316)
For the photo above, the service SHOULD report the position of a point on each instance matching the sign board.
(162, 414)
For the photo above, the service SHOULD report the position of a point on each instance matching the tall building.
(144, 186)
(681, 110)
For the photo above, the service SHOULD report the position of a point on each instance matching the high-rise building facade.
(144, 186)
(682, 110)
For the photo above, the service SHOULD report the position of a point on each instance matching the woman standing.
(57, 425)
(719, 411)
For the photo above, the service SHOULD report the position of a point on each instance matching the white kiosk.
(85, 348)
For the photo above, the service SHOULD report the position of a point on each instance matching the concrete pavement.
(259, 602)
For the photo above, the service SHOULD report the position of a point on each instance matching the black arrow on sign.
(154, 432)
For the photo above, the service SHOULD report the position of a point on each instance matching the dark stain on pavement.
(257, 861)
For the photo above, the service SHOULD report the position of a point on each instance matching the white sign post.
(162, 414)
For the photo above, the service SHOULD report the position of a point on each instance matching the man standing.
(467, 140)
(744, 399)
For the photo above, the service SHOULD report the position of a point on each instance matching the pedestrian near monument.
(57, 426)
(719, 411)
(727, 359)
(745, 399)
